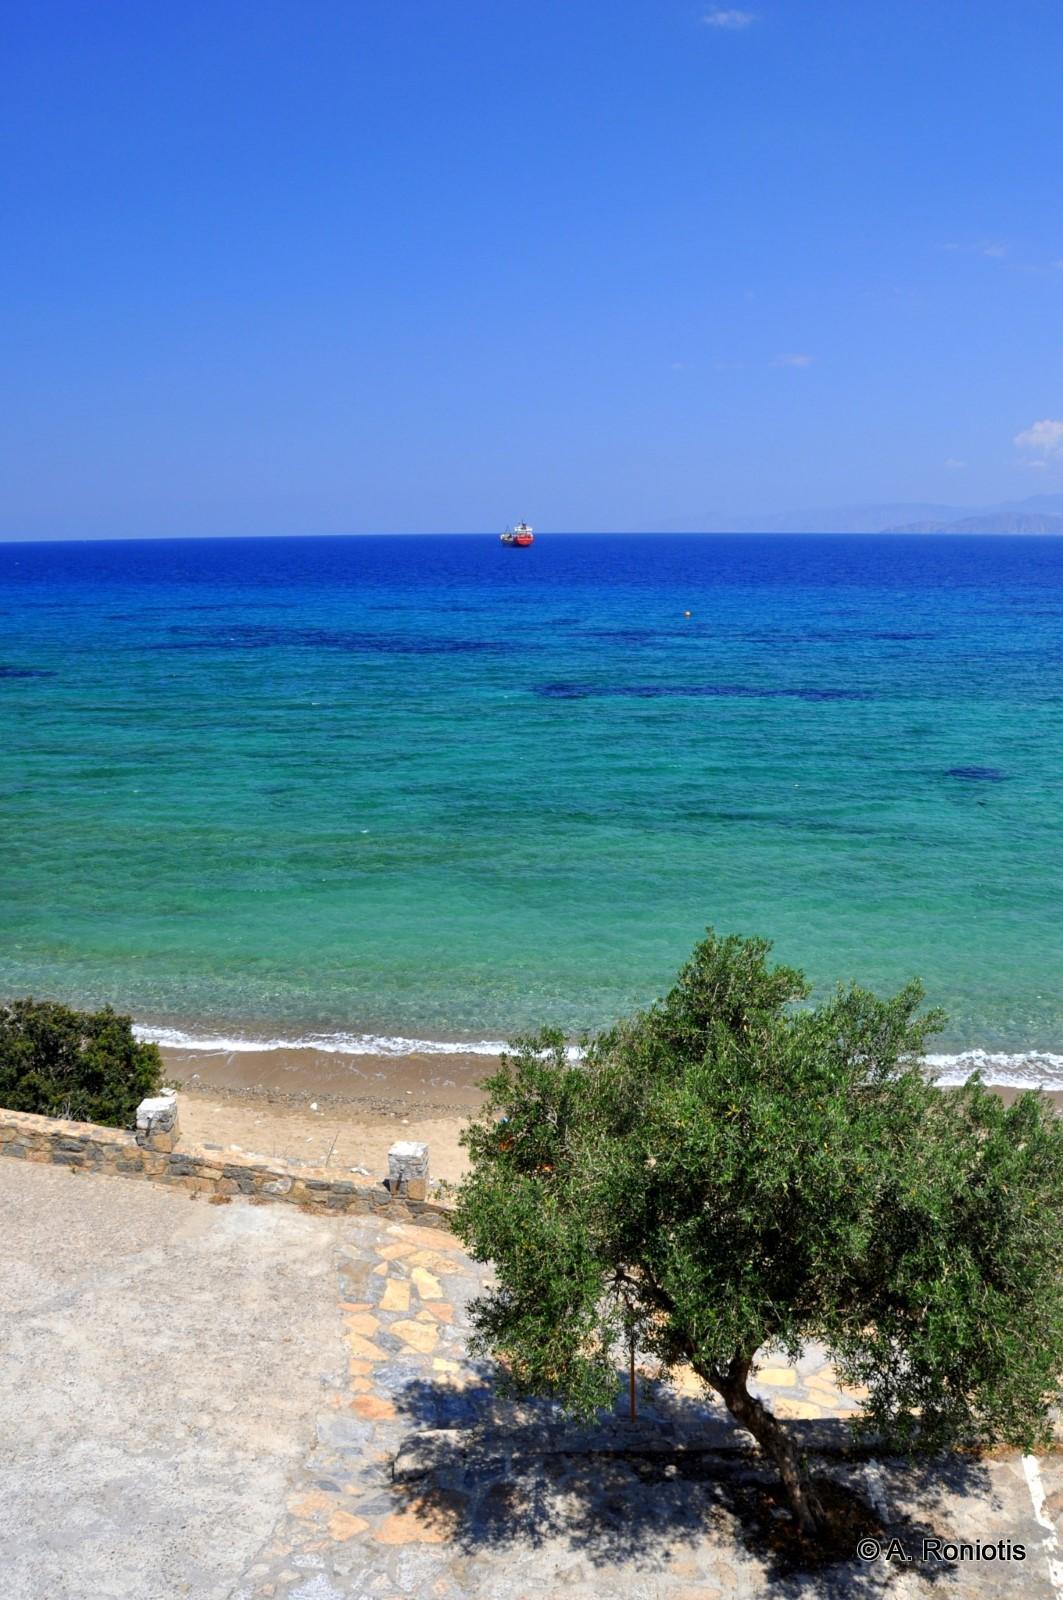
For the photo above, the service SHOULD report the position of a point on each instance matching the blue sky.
(303, 266)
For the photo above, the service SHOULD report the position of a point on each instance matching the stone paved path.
(421, 1483)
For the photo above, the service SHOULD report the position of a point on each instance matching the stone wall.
(84, 1147)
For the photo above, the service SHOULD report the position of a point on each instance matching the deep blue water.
(435, 788)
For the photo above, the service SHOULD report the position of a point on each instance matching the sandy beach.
(326, 1109)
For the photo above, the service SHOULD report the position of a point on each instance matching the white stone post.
(408, 1169)
(157, 1127)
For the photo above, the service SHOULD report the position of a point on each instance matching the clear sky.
(327, 266)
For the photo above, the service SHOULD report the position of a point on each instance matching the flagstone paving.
(423, 1483)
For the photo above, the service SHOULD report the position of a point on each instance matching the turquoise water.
(435, 789)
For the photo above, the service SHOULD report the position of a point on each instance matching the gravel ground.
(162, 1372)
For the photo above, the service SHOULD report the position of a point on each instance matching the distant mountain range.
(989, 522)
(1040, 513)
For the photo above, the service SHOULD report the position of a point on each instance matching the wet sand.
(1009, 1094)
(382, 1084)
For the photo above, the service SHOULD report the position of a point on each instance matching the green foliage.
(728, 1173)
(80, 1064)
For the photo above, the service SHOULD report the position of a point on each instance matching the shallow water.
(430, 789)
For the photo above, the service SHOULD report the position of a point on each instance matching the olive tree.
(728, 1173)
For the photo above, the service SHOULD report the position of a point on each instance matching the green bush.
(80, 1064)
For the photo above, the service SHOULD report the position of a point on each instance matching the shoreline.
(326, 1109)
(384, 1072)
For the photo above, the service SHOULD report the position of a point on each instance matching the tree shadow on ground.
(490, 1474)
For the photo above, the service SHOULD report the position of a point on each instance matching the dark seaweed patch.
(421, 606)
(565, 691)
(795, 824)
(264, 637)
(634, 635)
(977, 774)
(25, 672)
(710, 691)
(845, 635)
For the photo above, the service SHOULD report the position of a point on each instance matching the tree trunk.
(775, 1441)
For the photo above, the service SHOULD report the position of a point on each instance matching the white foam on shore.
(1035, 1069)
(338, 1044)
(1026, 1070)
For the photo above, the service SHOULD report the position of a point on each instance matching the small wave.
(1034, 1069)
(340, 1044)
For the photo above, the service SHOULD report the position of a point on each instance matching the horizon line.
(568, 533)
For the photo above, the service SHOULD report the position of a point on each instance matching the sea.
(384, 795)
